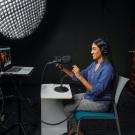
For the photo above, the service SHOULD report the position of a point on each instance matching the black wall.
(68, 28)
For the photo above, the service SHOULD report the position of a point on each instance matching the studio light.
(19, 18)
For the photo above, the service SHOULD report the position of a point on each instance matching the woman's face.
(95, 51)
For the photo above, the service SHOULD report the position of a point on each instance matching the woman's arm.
(78, 75)
(76, 72)
(65, 70)
(68, 72)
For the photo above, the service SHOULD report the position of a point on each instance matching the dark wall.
(68, 28)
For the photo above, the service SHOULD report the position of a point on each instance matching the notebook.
(6, 66)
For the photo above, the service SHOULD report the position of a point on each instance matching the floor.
(31, 114)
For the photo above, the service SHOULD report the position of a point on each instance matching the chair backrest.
(120, 85)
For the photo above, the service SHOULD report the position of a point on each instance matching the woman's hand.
(65, 69)
(78, 75)
(60, 66)
(76, 71)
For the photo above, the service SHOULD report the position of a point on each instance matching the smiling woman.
(96, 78)
(19, 18)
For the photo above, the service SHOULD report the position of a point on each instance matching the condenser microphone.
(61, 60)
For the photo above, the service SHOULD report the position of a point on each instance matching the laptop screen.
(5, 58)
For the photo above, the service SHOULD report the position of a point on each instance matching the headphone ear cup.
(105, 50)
(102, 49)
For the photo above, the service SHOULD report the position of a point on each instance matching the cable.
(68, 117)
(42, 74)
(53, 124)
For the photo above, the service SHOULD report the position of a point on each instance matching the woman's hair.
(105, 50)
(103, 45)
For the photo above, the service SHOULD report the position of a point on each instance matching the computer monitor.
(5, 58)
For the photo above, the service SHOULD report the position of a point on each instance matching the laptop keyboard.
(14, 69)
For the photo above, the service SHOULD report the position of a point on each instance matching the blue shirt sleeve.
(103, 81)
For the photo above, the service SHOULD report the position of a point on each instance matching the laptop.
(6, 64)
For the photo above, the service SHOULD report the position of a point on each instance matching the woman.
(96, 78)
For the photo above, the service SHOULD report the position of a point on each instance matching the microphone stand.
(61, 88)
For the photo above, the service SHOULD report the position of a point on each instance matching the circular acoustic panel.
(19, 18)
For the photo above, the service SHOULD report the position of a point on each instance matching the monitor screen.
(5, 57)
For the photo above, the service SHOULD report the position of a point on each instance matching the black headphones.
(105, 49)
(103, 45)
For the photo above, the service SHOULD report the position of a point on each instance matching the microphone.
(61, 60)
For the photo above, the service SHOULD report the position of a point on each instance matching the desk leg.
(52, 112)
